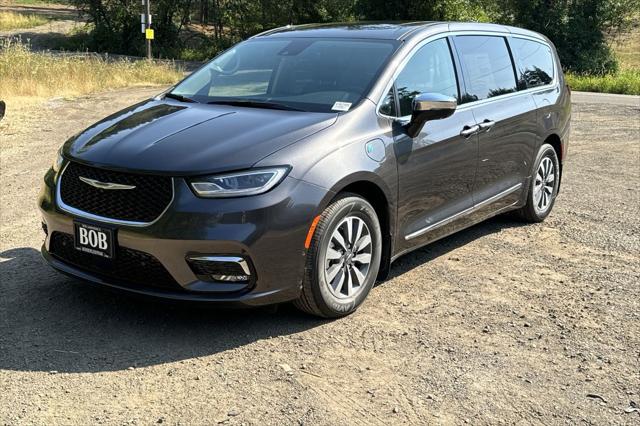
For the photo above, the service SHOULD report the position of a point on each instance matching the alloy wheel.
(544, 185)
(348, 257)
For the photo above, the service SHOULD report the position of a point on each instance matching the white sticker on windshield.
(341, 106)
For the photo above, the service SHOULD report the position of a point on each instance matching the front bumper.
(268, 229)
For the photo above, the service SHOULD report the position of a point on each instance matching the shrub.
(626, 82)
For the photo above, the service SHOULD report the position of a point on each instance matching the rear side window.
(430, 70)
(486, 64)
(535, 63)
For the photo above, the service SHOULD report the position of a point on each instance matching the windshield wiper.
(179, 97)
(256, 104)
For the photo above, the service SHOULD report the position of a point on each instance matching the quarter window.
(430, 70)
(487, 66)
(535, 63)
(388, 105)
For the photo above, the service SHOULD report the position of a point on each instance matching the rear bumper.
(268, 229)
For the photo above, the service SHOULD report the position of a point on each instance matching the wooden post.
(147, 21)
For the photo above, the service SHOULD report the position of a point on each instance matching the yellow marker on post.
(149, 34)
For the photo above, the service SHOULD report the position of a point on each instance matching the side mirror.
(428, 107)
(3, 107)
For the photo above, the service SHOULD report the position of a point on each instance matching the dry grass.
(12, 21)
(47, 3)
(628, 50)
(42, 75)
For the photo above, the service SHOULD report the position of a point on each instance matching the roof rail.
(413, 30)
(275, 30)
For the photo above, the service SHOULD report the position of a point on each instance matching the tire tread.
(527, 212)
(307, 301)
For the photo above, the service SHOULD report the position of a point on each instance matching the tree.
(422, 10)
(582, 30)
(116, 24)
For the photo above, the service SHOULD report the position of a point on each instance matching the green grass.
(626, 82)
(13, 21)
(193, 54)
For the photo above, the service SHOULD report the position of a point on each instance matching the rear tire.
(343, 259)
(544, 186)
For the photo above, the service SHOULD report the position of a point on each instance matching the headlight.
(238, 184)
(57, 163)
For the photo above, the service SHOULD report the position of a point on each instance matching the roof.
(387, 30)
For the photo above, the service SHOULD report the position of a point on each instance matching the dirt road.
(61, 21)
(501, 323)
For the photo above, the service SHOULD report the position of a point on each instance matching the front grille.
(129, 267)
(144, 203)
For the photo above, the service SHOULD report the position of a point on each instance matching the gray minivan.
(300, 163)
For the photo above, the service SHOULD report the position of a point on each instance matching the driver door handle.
(468, 131)
(487, 125)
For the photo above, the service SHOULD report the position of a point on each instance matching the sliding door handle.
(469, 130)
(487, 125)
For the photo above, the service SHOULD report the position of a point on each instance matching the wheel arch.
(555, 141)
(371, 188)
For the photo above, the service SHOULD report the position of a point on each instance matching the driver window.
(430, 70)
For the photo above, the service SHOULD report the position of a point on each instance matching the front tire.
(544, 186)
(343, 258)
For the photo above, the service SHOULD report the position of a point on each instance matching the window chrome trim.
(506, 35)
(464, 212)
(86, 215)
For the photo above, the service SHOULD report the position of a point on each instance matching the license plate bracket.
(94, 239)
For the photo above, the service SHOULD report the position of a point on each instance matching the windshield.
(308, 74)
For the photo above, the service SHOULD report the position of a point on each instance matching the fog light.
(230, 278)
(222, 268)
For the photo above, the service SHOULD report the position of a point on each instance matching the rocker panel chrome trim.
(465, 212)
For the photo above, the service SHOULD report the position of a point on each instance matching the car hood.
(189, 139)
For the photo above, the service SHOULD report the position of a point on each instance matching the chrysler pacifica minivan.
(300, 163)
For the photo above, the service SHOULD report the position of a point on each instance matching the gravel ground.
(501, 323)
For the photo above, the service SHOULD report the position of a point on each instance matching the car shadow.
(54, 43)
(48, 324)
(444, 246)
